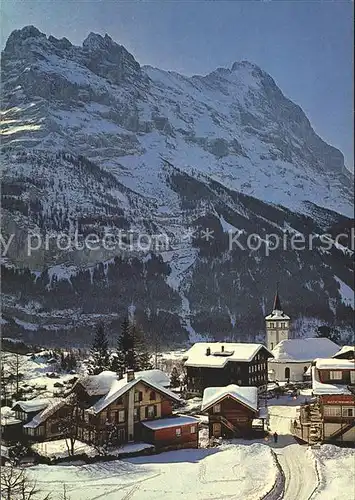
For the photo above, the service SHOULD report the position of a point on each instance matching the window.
(112, 417)
(283, 325)
(335, 375)
(54, 428)
(193, 429)
(332, 411)
(121, 435)
(272, 325)
(136, 414)
(217, 408)
(178, 432)
(151, 411)
(138, 396)
(152, 396)
(287, 372)
(348, 412)
(121, 416)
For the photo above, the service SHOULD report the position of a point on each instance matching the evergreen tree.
(131, 352)
(175, 378)
(141, 355)
(124, 354)
(99, 352)
(328, 332)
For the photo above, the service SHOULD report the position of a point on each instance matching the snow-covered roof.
(53, 406)
(100, 385)
(120, 387)
(320, 389)
(335, 364)
(221, 353)
(344, 350)
(163, 423)
(32, 405)
(303, 350)
(278, 315)
(156, 376)
(248, 396)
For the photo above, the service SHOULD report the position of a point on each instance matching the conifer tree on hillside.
(140, 349)
(100, 360)
(132, 352)
(124, 358)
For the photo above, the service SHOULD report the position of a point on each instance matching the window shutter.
(140, 396)
(146, 412)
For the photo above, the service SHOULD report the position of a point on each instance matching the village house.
(26, 412)
(346, 352)
(45, 424)
(293, 357)
(108, 410)
(232, 410)
(212, 364)
(331, 417)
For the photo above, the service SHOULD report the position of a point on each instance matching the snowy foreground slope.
(92, 142)
(231, 471)
(337, 472)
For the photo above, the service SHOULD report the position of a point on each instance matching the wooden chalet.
(220, 364)
(45, 425)
(107, 409)
(116, 410)
(331, 416)
(28, 412)
(231, 411)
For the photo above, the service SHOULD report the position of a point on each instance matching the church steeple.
(277, 301)
(277, 323)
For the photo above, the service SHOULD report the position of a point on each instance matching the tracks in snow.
(300, 476)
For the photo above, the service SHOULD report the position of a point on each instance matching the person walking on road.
(275, 437)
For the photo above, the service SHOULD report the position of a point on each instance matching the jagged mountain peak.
(95, 41)
(91, 141)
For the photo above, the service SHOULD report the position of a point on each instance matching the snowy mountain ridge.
(94, 142)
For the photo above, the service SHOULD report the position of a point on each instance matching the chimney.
(222, 348)
(208, 351)
(130, 375)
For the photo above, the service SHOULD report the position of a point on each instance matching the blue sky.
(306, 46)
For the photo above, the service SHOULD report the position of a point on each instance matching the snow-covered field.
(230, 471)
(336, 467)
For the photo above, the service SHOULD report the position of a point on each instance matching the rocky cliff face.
(94, 143)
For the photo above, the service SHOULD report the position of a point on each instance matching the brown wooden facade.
(112, 423)
(244, 373)
(229, 418)
(184, 436)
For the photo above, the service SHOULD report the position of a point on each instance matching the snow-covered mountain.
(93, 142)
